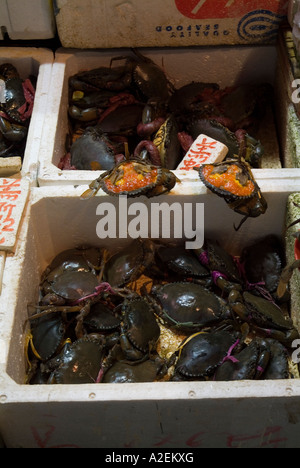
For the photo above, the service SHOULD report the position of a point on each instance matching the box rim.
(44, 57)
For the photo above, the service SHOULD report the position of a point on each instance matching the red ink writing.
(9, 195)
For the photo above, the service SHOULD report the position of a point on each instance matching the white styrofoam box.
(27, 19)
(178, 414)
(225, 66)
(172, 23)
(37, 62)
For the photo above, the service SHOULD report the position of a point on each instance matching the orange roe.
(227, 181)
(131, 180)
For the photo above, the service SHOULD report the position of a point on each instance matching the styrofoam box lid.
(37, 62)
(27, 19)
(143, 23)
(89, 415)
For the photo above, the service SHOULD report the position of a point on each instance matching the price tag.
(13, 197)
(204, 150)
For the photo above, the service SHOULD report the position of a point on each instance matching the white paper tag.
(13, 198)
(204, 150)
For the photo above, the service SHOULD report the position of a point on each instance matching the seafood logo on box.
(2, 91)
(208, 9)
(258, 21)
(158, 221)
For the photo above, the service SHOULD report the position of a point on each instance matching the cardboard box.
(184, 414)
(226, 66)
(37, 62)
(172, 23)
(27, 19)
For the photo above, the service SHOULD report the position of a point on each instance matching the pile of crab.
(16, 106)
(134, 102)
(151, 312)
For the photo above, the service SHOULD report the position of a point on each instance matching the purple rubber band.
(103, 287)
(203, 257)
(229, 357)
(216, 275)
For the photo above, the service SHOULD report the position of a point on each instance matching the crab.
(179, 262)
(234, 181)
(127, 265)
(139, 329)
(16, 108)
(102, 319)
(148, 78)
(167, 142)
(202, 353)
(86, 259)
(19, 95)
(264, 316)
(46, 336)
(262, 263)
(221, 265)
(133, 178)
(150, 370)
(78, 363)
(188, 307)
(248, 364)
(92, 149)
(278, 366)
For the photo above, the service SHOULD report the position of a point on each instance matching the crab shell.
(226, 194)
(164, 180)
(140, 324)
(79, 363)
(202, 353)
(187, 307)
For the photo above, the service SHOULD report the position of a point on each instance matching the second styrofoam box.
(36, 62)
(226, 66)
(27, 19)
(178, 414)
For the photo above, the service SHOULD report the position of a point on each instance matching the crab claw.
(286, 276)
(93, 189)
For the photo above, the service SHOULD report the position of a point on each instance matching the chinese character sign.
(204, 150)
(13, 197)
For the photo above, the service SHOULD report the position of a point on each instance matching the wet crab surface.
(151, 312)
(16, 106)
(133, 100)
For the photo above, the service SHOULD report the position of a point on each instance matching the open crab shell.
(222, 192)
(131, 193)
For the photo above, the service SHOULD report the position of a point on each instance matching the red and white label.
(204, 150)
(13, 197)
(213, 9)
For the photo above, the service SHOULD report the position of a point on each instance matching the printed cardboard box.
(172, 23)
